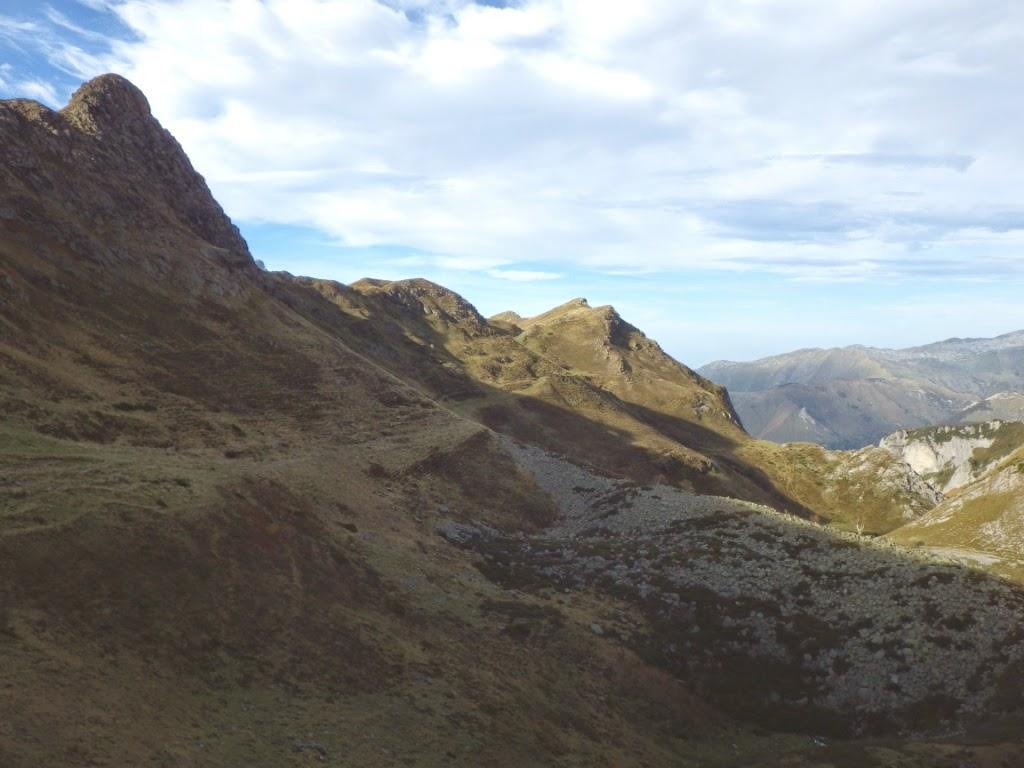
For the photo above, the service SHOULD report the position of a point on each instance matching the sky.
(738, 177)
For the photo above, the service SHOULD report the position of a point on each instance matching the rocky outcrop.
(954, 455)
(982, 521)
(910, 494)
(426, 298)
(106, 159)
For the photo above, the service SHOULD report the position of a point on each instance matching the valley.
(250, 518)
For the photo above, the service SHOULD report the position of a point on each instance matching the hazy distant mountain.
(853, 396)
(1002, 406)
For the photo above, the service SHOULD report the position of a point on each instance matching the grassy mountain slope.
(221, 492)
(806, 366)
(982, 521)
(870, 490)
(217, 519)
(584, 383)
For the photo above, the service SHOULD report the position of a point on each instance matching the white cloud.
(60, 20)
(16, 27)
(38, 90)
(817, 140)
(522, 275)
(96, 5)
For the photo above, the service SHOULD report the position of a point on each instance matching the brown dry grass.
(219, 491)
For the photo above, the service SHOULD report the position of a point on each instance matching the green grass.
(1008, 438)
(49, 482)
(940, 479)
(19, 441)
(983, 430)
(985, 509)
(6, 625)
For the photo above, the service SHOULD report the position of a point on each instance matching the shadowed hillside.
(253, 519)
(584, 383)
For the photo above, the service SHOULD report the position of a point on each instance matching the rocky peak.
(426, 297)
(569, 306)
(127, 167)
(571, 310)
(603, 325)
(107, 103)
(506, 317)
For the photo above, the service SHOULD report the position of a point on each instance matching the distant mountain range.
(853, 396)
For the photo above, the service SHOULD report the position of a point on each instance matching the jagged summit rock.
(508, 316)
(105, 103)
(425, 297)
(117, 164)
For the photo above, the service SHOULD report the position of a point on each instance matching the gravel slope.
(774, 618)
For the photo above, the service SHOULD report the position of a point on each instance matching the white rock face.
(940, 450)
(806, 417)
(1003, 532)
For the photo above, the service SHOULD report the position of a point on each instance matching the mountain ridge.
(1014, 336)
(847, 397)
(269, 520)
